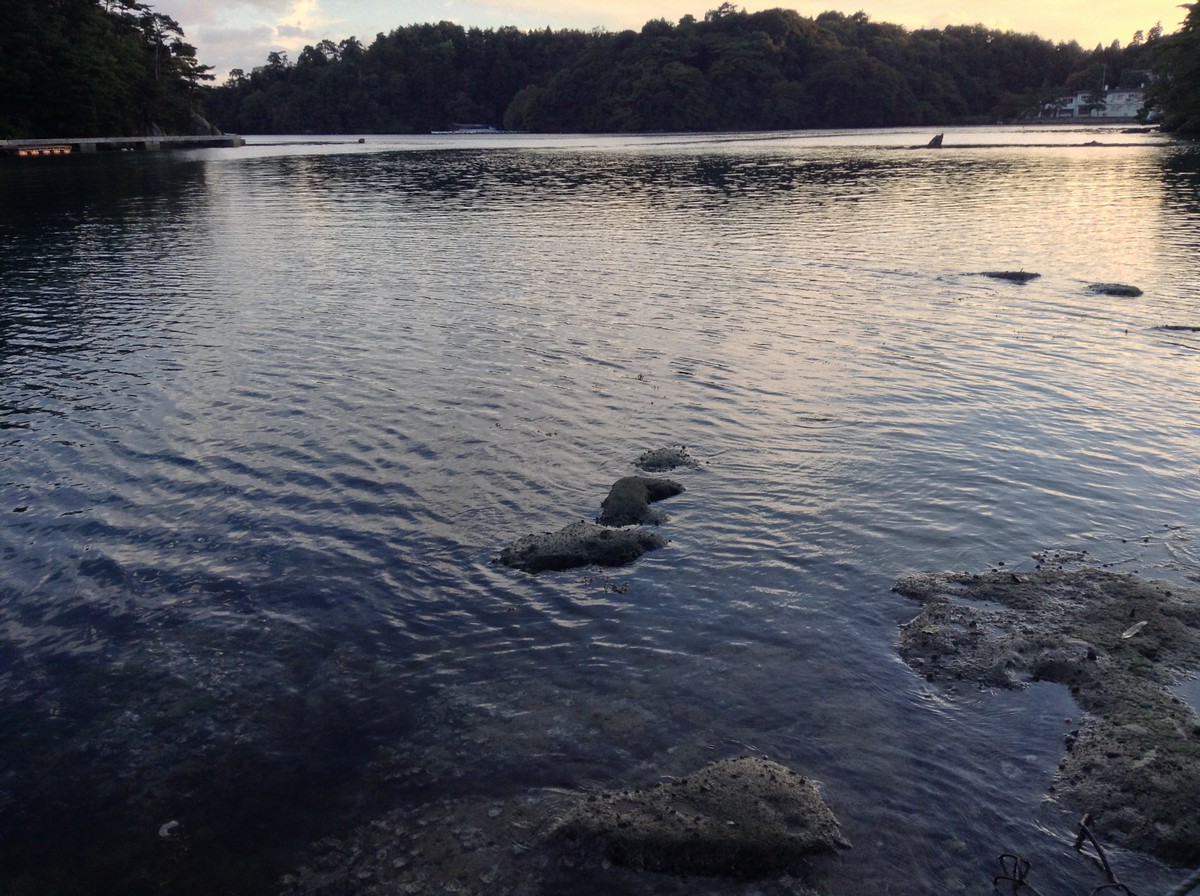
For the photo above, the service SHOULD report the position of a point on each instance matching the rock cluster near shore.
(739, 820)
(1118, 642)
(610, 541)
(743, 818)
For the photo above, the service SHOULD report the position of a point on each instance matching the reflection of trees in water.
(92, 250)
(46, 195)
(1181, 203)
(1181, 180)
(512, 174)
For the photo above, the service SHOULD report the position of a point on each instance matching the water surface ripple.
(267, 416)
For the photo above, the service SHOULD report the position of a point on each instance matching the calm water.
(267, 416)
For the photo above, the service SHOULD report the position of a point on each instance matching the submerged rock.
(628, 502)
(1014, 276)
(1118, 642)
(1121, 290)
(662, 459)
(743, 818)
(580, 544)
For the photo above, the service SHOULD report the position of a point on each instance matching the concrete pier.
(63, 146)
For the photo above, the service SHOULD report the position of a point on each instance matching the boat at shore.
(465, 129)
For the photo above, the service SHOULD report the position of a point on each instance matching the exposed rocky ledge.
(1012, 276)
(580, 544)
(609, 543)
(660, 460)
(742, 818)
(1121, 290)
(1118, 642)
(628, 502)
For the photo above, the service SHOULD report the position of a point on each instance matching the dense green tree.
(94, 68)
(728, 70)
(1176, 88)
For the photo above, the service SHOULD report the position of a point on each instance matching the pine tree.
(1176, 89)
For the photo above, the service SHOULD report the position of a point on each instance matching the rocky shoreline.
(741, 819)
(1118, 643)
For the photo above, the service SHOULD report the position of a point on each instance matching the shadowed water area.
(268, 416)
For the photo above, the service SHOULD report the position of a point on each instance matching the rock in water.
(742, 818)
(662, 459)
(628, 502)
(580, 544)
(1012, 276)
(1121, 290)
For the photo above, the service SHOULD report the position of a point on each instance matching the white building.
(1123, 103)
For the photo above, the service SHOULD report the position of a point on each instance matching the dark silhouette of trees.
(1176, 88)
(94, 68)
(730, 70)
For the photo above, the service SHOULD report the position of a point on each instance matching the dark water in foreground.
(267, 416)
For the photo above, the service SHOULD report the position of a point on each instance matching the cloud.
(242, 33)
(227, 48)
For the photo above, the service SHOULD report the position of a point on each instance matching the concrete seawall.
(63, 146)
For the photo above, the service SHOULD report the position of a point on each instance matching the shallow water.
(267, 416)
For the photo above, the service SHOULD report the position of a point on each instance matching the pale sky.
(231, 34)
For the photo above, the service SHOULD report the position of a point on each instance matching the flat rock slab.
(742, 818)
(1121, 290)
(1118, 642)
(628, 502)
(1012, 276)
(660, 460)
(580, 544)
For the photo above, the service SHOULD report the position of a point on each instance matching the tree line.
(730, 70)
(1176, 88)
(118, 68)
(94, 68)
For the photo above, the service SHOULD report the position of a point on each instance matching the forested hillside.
(94, 68)
(116, 67)
(1176, 88)
(730, 70)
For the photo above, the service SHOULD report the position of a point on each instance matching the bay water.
(268, 415)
